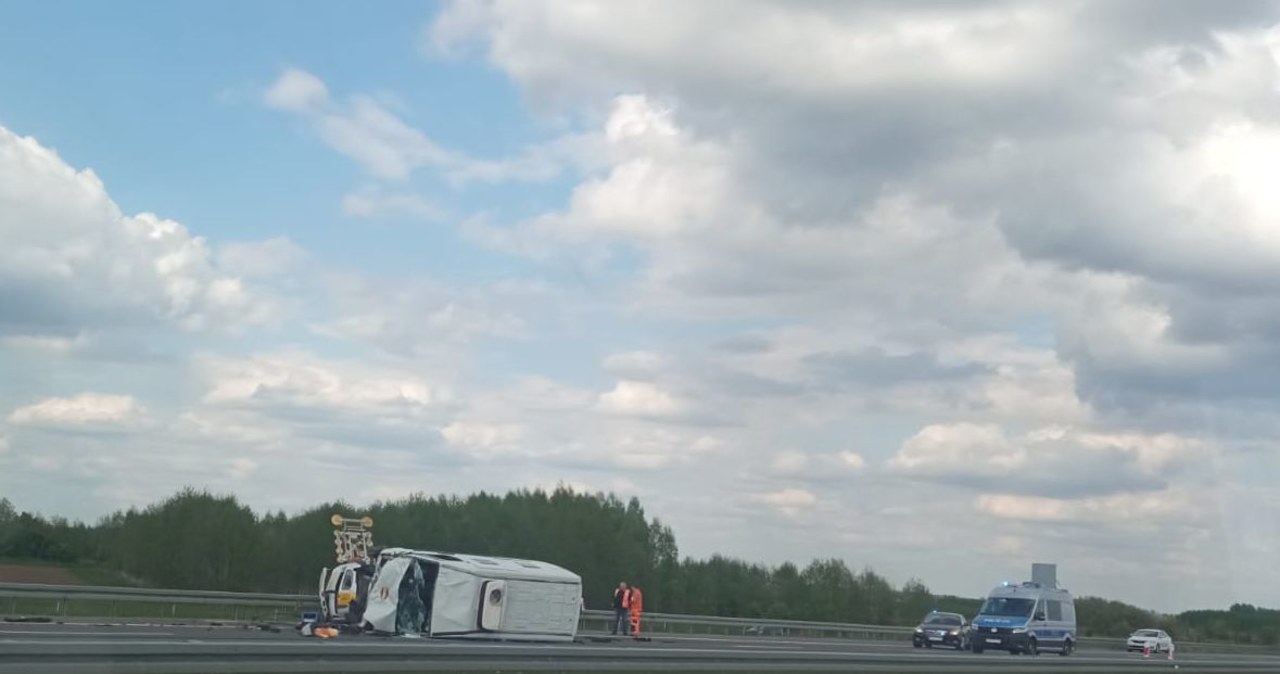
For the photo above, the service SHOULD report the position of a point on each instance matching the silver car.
(1158, 641)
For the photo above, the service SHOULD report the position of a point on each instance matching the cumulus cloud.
(73, 261)
(791, 501)
(482, 437)
(1148, 509)
(301, 380)
(1051, 461)
(943, 187)
(643, 399)
(84, 410)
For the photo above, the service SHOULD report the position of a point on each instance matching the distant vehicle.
(942, 629)
(1158, 641)
(1026, 618)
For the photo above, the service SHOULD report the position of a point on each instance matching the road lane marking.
(60, 633)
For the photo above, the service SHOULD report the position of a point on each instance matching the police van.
(1029, 617)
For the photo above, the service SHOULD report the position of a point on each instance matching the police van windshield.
(1008, 606)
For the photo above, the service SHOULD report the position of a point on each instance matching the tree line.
(199, 540)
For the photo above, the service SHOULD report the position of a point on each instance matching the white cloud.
(1128, 510)
(298, 91)
(1050, 461)
(791, 501)
(852, 460)
(790, 462)
(635, 364)
(84, 410)
(372, 202)
(486, 438)
(365, 130)
(241, 468)
(636, 398)
(72, 260)
(300, 380)
(410, 317)
(361, 128)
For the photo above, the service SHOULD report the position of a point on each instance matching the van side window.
(1039, 607)
(1069, 611)
(1055, 610)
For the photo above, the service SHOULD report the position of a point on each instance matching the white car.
(1158, 641)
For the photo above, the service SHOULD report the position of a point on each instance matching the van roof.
(493, 567)
(1028, 590)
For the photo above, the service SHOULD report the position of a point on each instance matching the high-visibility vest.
(636, 603)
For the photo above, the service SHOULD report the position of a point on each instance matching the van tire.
(1032, 649)
(1068, 647)
(977, 647)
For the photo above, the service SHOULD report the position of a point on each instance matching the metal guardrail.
(107, 602)
(37, 591)
(665, 623)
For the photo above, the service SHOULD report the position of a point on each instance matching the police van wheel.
(977, 648)
(1067, 647)
(1031, 647)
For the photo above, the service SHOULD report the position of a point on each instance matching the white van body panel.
(538, 601)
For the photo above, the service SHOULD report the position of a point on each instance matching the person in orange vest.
(636, 606)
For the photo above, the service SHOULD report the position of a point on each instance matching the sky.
(938, 288)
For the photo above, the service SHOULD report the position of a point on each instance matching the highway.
(33, 648)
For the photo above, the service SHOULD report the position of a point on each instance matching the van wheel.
(977, 648)
(1031, 647)
(1068, 647)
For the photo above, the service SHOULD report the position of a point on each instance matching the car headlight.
(1019, 630)
(919, 630)
(955, 633)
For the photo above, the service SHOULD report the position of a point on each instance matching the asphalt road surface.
(33, 648)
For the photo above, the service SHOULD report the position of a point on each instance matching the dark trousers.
(621, 621)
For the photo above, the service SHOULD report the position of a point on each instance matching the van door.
(1056, 627)
(1040, 627)
(326, 604)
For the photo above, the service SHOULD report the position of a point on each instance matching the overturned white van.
(470, 596)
